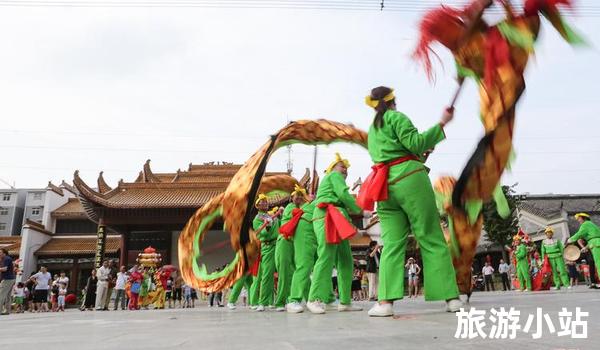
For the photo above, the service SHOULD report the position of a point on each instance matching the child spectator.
(364, 284)
(187, 296)
(19, 293)
(62, 293)
(54, 294)
(585, 270)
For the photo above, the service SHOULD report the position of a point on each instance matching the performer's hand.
(447, 116)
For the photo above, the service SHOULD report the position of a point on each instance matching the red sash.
(288, 229)
(256, 266)
(375, 188)
(337, 227)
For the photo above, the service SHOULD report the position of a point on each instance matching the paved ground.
(417, 325)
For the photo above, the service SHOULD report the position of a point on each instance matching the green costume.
(305, 250)
(254, 291)
(267, 238)
(410, 207)
(284, 261)
(523, 267)
(245, 281)
(554, 249)
(333, 190)
(591, 234)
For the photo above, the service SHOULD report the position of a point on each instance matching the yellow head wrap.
(581, 215)
(549, 229)
(299, 190)
(273, 211)
(338, 159)
(516, 238)
(374, 103)
(260, 197)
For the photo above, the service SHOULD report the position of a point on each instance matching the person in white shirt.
(63, 279)
(102, 287)
(42, 284)
(488, 273)
(503, 269)
(120, 288)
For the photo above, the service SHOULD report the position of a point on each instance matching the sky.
(104, 89)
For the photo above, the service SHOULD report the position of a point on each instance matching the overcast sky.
(107, 88)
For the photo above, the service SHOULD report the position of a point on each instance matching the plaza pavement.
(416, 325)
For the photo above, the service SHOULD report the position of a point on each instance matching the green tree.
(501, 230)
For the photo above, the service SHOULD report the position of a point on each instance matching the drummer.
(589, 232)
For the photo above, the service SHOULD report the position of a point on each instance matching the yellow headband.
(549, 229)
(374, 103)
(261, 197)
(516, 238)
(581, 215)
(273, 211)
(338, 159)
(299, 190)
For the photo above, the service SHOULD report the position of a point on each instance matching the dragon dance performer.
(554, 248)
(266, 227)
(406, 203)
(522, 256)
(297, 219)
(589, 232)
(333, 228)
(245, 281)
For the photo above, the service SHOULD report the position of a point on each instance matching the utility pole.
(12, 187)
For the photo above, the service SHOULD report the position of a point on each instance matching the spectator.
(7, 281)
(194, 297)
(177, 291)
(103, 275)
(42, 285)
(187, 296)
(63, 279)
(90, 292)
(413, 277)
(121, 280)
(585, 270)
(364, 285)
(373, 256)
(135, 277)
(62, 293)
(112, 279)
(488, 276)
(54, 294)
(169, 292)
(573, 274)
(29, 286)
(19, 295)
(503, 269)
(356, 288)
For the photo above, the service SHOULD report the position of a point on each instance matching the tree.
(497, 229)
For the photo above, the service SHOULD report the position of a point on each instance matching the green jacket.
(588, 231)
(333, 189)
(268, 233)
(554, 249)
(398, 138)
(521, 253)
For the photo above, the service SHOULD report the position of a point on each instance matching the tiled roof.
(77, 245)
(72, 209)
(184, 189)
(11, 243)
(360, 240)
(551, 206)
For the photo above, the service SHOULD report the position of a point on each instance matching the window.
(3, 211)
(35, 211)
(2, 226)
(37, 196)
(6, 197)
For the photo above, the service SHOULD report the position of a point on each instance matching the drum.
(572, 252)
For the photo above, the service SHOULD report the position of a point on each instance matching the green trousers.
(329, 255)
(245, 281)
(559, 272)
(305, 250)
(267, 269)
(411, 207)
(523, 274)
(284, 263)
(254, 292)
(595, 244)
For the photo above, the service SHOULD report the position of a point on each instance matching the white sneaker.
(260, 308)
(231, 306)
(331, 306)
(454, 305)
(381, 310)
(526, 290)
(316, 307)
(350, 307)
(554, 288)
(569, 287)
(294, 308)
(280, 309)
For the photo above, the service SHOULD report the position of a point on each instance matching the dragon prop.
(495, 56)
(236, 208)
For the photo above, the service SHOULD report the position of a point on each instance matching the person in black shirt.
(373, 256)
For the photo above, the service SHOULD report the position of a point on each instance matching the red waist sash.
(337, 227)
(288, 229)
(256, 266)
(375, 188)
